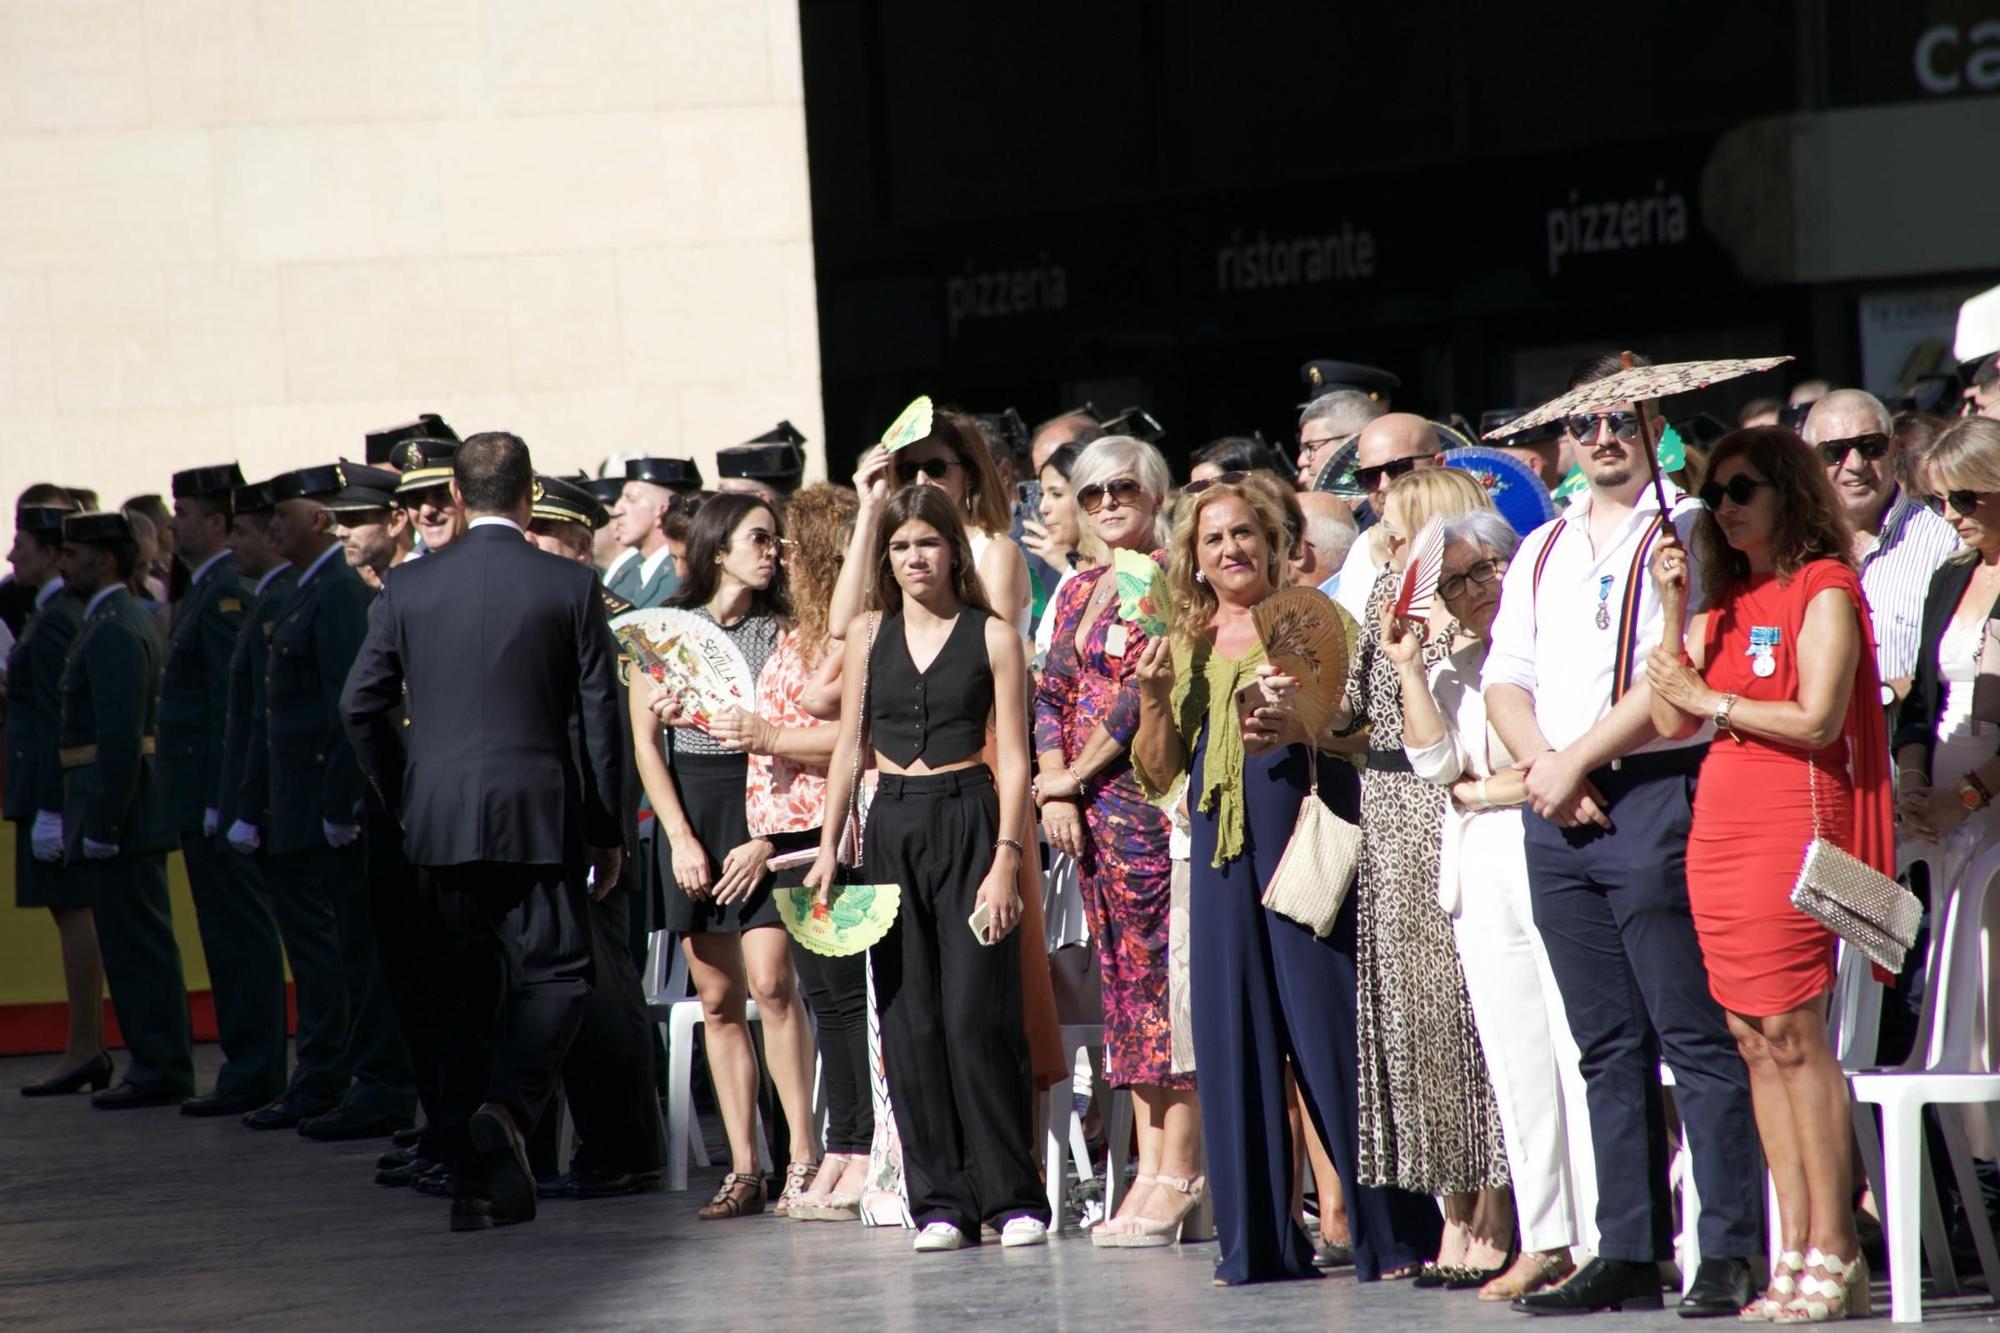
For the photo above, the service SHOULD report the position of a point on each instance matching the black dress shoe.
(1602, 1284)
(397, 1177)
(96, 1071)
(435, 1182)
(292, 1106)
(503, 1158)
(345, 1122)
(394, 1158)
(406, 1138)
(128, 1095)
(220, 1103)
(612, 1184)
(1721, 1287)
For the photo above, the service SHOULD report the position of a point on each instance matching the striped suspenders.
(1626, 663)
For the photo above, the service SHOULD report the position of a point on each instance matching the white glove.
(339, 835)
(211, 820)
(93, 850)
(47, 835)
(243, 837)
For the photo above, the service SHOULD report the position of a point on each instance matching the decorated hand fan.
(911, 426)
(853, 917)
(691, 656)
(1142, 592)
(1422, 565)
(1303, 637)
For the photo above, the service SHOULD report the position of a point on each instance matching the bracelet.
(1081, 787)
(1971, 779)
(1015, 843)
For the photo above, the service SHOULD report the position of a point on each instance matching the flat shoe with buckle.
(287, 1110)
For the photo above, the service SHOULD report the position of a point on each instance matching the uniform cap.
(605, 490)
(761, 462)
(93, 529)
(381, 444)
(219, 479)
(680, 472)
(310, 483)
(42, 520)
(255, 498)
(568, 500)
(782, 433)
(1323, 377)
(366, 488)
(424, 461)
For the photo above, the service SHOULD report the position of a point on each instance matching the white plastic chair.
(1065, 1126)
(1940, 1073)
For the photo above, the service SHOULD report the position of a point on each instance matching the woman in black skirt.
(724, 913)
(948, 974)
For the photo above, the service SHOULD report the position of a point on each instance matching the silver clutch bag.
(1857, 902)
(1313, 876)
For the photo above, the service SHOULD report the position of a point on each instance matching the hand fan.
(1142, 592)
(691, 656)
(1303, 637)
(1422, 564)
(853, 917)
(1515, 489)
(911, 426)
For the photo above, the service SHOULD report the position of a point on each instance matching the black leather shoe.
(397, 1177)
(128, 1095)
(1721, 1287)
(291, 1106)
(1602, 1284)
(345, 1122)
(96, 1071)
(611, 1184)
(406, 1138)
(394, 1158)
(220, 1103)
(503, 1157)
(1430, 1275)
(435, 1182)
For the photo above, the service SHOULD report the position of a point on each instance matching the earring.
(1200, 577)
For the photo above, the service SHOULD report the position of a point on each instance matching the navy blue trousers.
(1613, 910)
(1263, 989)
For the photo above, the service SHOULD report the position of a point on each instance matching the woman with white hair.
(1086, 712)
(1483, 888)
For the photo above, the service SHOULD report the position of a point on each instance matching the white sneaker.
(940, 1236)
(1023, 1231)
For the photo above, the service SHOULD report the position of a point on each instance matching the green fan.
(853, 917)
(1142, 592)
(911, 426)
(1672, 453)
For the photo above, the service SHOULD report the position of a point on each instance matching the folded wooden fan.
(1422, 567)
(1303, 637)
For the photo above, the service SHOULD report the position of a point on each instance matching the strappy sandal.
(741, 1194)
(797, 1177)
(1548, 1269)
(1829, 1290)
(1785, 1275)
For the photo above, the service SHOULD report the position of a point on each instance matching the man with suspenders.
(1607, 826)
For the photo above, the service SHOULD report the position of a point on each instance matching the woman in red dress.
(1782, 664)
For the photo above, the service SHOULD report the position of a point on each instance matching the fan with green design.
(1142, 592)
(910, 426)
(850, 919)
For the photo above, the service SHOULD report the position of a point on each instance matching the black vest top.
(938, 716)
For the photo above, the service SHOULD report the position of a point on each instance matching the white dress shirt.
(1547, 640)
(1358, 574)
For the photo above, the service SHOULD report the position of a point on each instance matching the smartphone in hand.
(981, 922)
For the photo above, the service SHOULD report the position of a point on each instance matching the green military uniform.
(239, 935)
(34, 733)
(116, 827)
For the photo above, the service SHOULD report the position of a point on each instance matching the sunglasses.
(1122, 489)
(764, 541)
(1742, 488)
(1483, 573)
(934, 468)
(1623, 425)
(1194, 487)
(1370, 477)
(1871, 446)
(1964, 502)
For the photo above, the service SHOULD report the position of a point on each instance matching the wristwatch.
(1721, 718)
(1972, 793)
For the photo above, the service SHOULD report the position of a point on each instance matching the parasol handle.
(1647, 441)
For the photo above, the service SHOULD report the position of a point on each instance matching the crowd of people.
(380, 711)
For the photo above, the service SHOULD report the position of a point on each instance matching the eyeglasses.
(1455, 586)
(1742, 488)
(1197, 487)
(1964, 501)
(1624, 425)
(763, 540)
(1122, 489)
(1871, 446)
(934, 468)
(1370, 477)
(1308, 446)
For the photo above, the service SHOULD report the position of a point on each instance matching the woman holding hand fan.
(1428, 1119)
(1086, 711)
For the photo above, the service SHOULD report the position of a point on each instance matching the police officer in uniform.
(239, 936)
(654, 487)
(116, 827)
(768, 466)
(354, 1072)
(378, 447)
(423, 487)
(34, 794)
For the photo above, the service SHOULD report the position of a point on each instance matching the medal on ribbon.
(1764, 641)
(1604, 601)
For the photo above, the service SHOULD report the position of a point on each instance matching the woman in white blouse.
(1483, 887)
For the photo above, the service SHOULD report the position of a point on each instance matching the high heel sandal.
(1549, 1269)
(1785, 1275)
(740, 1194)
(1193, 1220)
(812, 1205)
(1842, 1293)
(1100, 1235)
(797, 1176)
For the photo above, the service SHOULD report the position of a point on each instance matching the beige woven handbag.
(1317, 870)
(1854, 900)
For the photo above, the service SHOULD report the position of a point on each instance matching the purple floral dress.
(1126, 872)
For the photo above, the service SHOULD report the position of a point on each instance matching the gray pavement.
(140, 1220)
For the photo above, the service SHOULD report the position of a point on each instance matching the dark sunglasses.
(1742, 489)
(1122, 489)
(1368, 478)
(1197, 487)
(1871, 446)
(1483, 573)
(1583, 428)
(1964, 502)
(934, 468)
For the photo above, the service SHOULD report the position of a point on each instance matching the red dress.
(1752, 813)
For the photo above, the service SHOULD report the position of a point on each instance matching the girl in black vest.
(950, 999)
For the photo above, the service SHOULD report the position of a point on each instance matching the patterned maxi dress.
(1428, 1120)
(1127, 868)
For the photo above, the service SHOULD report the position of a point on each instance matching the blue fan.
(1517, 492)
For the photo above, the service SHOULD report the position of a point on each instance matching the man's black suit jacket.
(514, 749)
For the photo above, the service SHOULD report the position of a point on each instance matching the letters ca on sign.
(1954, 59)
(1001, 293)
(1593, 227)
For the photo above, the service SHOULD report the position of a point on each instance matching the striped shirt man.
(1895, 573)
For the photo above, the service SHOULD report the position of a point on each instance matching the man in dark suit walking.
(507, 779)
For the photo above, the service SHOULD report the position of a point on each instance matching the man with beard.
(375, 532)
(654, 488)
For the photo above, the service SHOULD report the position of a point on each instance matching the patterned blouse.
(785, 796)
